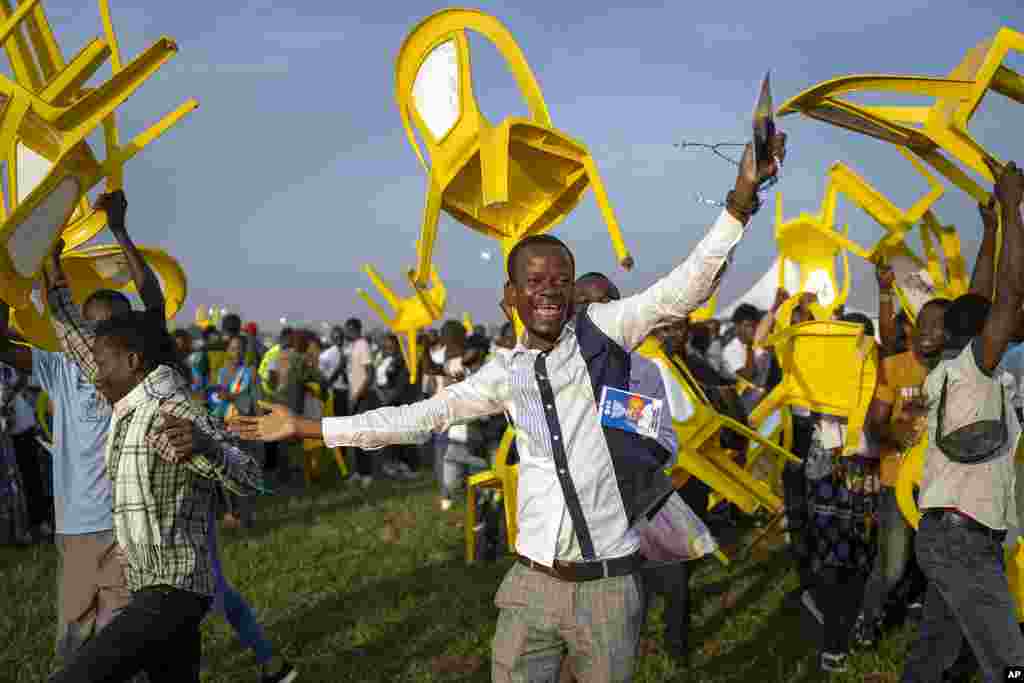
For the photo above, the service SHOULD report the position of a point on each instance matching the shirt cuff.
(726, 232)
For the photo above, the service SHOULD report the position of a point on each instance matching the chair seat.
(546, 179)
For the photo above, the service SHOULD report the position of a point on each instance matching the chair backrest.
(434, 83)
(813, 244)
(828, 367)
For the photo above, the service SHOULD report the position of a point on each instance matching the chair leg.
(428, 235)
(601, 196)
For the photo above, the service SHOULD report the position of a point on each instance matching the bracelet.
(745, 211)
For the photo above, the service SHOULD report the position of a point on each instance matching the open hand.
(279, 424)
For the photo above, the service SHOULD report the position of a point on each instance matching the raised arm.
(146, 283)
(1005, 314)
(684, 290)
(983, 278)
(888, 331)
(764, 327)
(75, 333)
(17, 356)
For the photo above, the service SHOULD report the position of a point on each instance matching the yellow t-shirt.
(899, 372)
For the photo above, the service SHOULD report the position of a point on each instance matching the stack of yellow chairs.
(507, 181)
(410, 315)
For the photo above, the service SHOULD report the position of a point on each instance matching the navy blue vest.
(639, 461)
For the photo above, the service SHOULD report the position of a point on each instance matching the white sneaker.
(808, 602)
(446, 504)
(366, 482)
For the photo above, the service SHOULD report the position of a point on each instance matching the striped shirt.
(509, 383)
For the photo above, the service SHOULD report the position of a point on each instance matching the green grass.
(372, 586)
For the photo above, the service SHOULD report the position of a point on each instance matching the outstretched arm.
(146, 282)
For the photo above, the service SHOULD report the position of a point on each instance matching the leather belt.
(578, 572)
(957, 518)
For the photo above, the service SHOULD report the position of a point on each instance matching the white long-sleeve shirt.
(509, 383)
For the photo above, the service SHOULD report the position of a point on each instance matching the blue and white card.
(630, 412)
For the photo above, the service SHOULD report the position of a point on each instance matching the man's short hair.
(613, 291)
(965, 316)
(136, 331)
(453, 328)
(746, 313)
(478, 342)
(354, 324)
(535, 241)
(117, 301)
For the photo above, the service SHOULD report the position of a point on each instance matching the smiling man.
(582, 485)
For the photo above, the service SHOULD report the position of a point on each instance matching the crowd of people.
(157, 437)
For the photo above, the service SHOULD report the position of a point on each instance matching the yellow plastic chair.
(100, 267)
(895, 221)
(812, 244)
(467, 322)
(519, 178)
(46, 118)
(698, 436)
(705, 312)
(411, 315)
(940, 272)
(828, 367)
(504, 478)
(925, 130)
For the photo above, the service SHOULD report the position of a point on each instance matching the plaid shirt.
(161, 510)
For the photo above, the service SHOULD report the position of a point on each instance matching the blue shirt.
(82, 497)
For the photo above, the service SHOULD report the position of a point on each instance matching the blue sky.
(295, 170)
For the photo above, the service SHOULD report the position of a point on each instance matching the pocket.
(510, 592)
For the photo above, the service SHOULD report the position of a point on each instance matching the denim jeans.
(967, 594)
(894, 547)
(238, 613)
(458, 461)
(158, 632)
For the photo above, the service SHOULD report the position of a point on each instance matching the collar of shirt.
(520, 348)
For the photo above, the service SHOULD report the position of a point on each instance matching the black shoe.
(865, 634)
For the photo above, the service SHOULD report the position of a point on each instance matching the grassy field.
(372, 586)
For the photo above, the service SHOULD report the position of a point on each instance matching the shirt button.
(548, 406)
(555, 438)
(561, 470)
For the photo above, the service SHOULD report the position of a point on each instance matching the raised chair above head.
(812, 244)
(518, 178)
(95, 268)
(926, 131)
(411, 314)
(828, 367)
(47, 115)
(698, 426)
